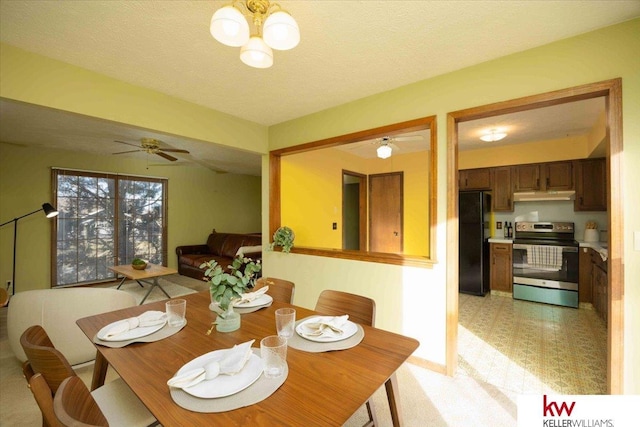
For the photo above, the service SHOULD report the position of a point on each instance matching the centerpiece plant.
(226, 286)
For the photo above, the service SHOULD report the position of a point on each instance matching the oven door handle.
(564, 248)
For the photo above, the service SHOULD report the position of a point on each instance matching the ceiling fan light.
(229, 27)
(280, 31)
(384, 151)
(256, 53)
(493, 136)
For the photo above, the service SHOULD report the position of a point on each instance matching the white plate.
(222, 385)
(261, 300)
(349, 329)
(130, 334)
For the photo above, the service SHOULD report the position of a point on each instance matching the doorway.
(386, 212)
(612, 91)
(354, 211)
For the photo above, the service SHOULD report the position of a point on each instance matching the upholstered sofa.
(221, 247)
(57, 310)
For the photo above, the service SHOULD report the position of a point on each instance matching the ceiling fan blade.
(132, 151)
(174, 150)
(408, 138)
(128, 143)
(166, 156)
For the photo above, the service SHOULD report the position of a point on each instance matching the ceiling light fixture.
(384, 151)
(493, 135)
(275, 29)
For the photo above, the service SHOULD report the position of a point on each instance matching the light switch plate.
(636, 241)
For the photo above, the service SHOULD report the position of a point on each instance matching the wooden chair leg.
(373, 421)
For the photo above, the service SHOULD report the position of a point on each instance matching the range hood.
(542, 196)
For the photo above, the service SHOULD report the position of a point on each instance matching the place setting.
(231, 378)
(253, 301)
(316, 334)
(150, 326)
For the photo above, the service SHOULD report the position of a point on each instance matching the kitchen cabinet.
(501, 272)
(557, 176)
(526, 177)
(475, 179)
(502, 190)
(585, 290)
(591, 185)
(593, 281)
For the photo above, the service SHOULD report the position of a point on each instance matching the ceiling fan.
(386, 144)
(152, 146)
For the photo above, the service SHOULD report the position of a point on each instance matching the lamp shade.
(229, 27)
(280, 31)
(384, 151)
(256, 53)
(49, 210)
(493, 136)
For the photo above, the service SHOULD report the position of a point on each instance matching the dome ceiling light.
(493, 135)
(274, 29)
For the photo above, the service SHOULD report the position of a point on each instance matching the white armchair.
(57, 310)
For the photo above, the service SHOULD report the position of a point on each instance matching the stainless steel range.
(545, 263)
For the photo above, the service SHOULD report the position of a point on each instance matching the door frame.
(611, 90)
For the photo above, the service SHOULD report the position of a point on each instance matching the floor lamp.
(49, 211)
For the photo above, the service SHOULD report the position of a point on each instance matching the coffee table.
(152, 272)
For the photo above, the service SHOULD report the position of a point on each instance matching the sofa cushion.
(215, 242)
(232, 244)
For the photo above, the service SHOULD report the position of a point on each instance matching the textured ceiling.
(348, 49)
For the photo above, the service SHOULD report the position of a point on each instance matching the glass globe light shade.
(493, 136)
(384, 151)
(229, 27)
(280, 31)
(256, 53)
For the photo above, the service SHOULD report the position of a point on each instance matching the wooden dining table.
(322, 389)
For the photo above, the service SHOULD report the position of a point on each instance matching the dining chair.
(74, 406)
(119, 404)
(280, 289)
(360, 309)
(42, 393)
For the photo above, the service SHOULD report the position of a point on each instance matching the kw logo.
(548, 408)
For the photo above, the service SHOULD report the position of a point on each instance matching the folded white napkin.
(148, 318)
(250, 296)
(231, 363)
(325, 326)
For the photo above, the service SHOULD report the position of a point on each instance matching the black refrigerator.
(473, 259)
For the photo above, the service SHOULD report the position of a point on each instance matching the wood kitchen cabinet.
(593, 281)
(526, 177)
(591, 185)
(501, 267)
(502, 189)
(585, 290)
(475, 179)
(557, 176)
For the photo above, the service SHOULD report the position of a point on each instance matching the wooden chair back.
(42, 394)
(75, 407)
(44, 358)
(336, 303)
(280, 289)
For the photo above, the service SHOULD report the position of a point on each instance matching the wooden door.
(386, 212)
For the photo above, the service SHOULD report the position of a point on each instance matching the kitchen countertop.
(600, 247)
(500, 240)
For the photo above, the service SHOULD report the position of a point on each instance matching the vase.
(228, 321)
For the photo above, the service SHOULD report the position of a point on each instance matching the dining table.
(321, 388)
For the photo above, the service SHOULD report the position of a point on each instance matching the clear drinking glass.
(176, 310)
(273, 350)
(285, 322)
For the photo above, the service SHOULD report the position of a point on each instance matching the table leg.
(99, 371)
(154, 284)
(393, 396)
(121, 282)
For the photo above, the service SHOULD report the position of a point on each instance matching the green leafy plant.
(283, 237)
(227, 286)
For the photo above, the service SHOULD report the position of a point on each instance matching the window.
(105, 220)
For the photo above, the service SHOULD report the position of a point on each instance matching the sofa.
(57, 310)
(221, 247)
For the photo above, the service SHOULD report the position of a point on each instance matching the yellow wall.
(312, 195)
(412, 300)
(198, 202)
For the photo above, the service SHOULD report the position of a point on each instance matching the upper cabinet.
(475, 179)
(586, 176)
(591, 185)
(502, 190)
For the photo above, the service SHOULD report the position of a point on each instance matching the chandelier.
(274, 29)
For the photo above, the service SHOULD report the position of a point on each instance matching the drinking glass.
(273, 350)
(176, 310)
(285, 322)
